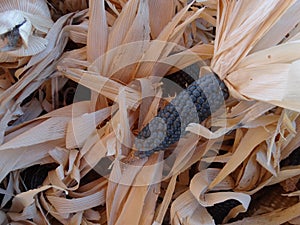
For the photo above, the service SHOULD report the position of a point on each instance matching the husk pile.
(119, 51)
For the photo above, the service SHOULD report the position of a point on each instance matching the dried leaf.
(251, 139)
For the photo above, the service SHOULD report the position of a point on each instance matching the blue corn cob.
(181, 78)
(193, 105)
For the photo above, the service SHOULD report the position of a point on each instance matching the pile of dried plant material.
(80, 79)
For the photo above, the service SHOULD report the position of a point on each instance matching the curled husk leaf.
(23, 27)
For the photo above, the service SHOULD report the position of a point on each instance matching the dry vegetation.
(67, 149)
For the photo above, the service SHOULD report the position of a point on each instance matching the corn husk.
(119, 51)
(32, 21)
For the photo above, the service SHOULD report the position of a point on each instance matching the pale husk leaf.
(185, 207)
(97, 28)
(79, 128)
(251, 140)
(279, 30)
(37, 7)
(237, 34)
(200, 183)
(275, 217)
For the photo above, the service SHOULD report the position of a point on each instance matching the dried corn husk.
(23, 28)
(122, 51)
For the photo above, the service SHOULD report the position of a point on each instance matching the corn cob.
(181, 78)
(193, 105)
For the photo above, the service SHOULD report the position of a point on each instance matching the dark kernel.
(193, 105)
